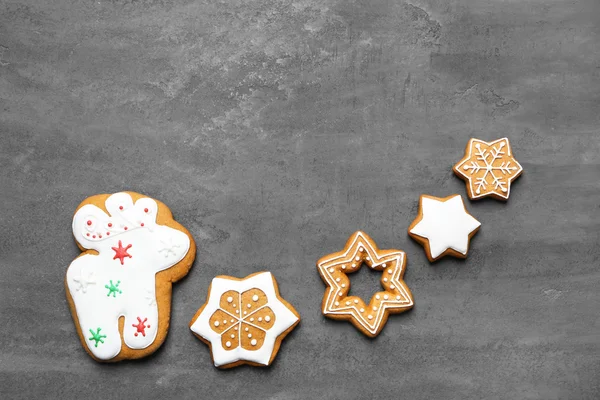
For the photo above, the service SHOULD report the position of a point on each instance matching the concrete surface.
(273, 130)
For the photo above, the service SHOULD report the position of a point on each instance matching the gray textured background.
(273, 130)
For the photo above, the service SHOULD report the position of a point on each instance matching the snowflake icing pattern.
(489, 168)
(97, 337)
(113, 288)
(141, 327)
(247, 330)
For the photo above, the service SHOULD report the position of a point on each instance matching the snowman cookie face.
(119, 288)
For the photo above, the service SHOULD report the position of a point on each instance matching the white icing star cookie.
(369, 318)
(244, 320)
(443, 227)
(119, 288)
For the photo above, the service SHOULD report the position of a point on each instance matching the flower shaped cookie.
(248, 329)
(244, 320)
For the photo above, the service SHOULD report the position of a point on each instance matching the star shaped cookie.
(337, 304)
(488, 169)
(443, 227)
(244, 320)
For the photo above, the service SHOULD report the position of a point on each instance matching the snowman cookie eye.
(90, 223)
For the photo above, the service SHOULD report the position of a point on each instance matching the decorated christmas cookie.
(244, 320)
(488, 169)
(119, 288)
(443, 227)
(370, 317)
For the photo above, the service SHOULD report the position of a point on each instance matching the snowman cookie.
(119, 288)
(244, 320)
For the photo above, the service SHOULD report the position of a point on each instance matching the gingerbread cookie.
(337, 304)
(488, 169)
(119, 288)
(443, 227)
(244, 320)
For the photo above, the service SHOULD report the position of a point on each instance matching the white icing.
(395, 260)
(446, 225)
(137, 274)
(499, 173)
(284, 318)
(84, 279)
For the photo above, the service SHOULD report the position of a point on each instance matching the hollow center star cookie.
(244, 320)
(395, 298)
(443, 227)
(488, 169)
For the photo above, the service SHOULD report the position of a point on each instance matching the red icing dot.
(94, 237)
(125, 228)
(100, 236)
(107, 233)
(110, 224)
(142, 224)
(89, 222)
(145, 210)
(88, 234)
(120, 207)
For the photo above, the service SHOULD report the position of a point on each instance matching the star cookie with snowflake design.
(244, 320)
(488, 169)
(119, 288)
(371, 317)
(443, 227)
